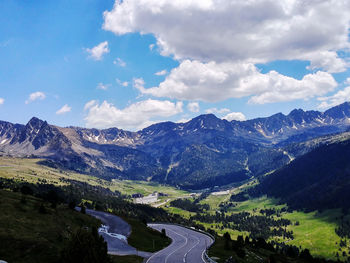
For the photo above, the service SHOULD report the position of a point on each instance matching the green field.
(316, 232)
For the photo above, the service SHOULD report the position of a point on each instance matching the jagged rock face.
(200, 153)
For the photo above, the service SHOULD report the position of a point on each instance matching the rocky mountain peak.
(205, 121)
(35, 123)
(340, 111)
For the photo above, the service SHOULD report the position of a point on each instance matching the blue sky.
(209, 56)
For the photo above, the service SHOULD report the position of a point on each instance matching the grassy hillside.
(28, 235)
(30, 171)
(318, 180)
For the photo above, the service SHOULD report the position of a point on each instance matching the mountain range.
(203, 152)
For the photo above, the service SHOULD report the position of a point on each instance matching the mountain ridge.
(194, 154)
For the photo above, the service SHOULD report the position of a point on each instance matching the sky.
(132, 63)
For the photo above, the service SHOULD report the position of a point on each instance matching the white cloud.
(213, 82)
(279, 88)
(161, 73)
(102, 86)
(119, 62)
(139, 83)
(90, 104)
(2, 100)
(98, 51)
(193, 106)
(135, 116)
(183, 120)
(336, 99)
(122, 83)
(215, 110)
(327, 60)
(151, 46)
(234, 30)
(238, 116)
(35, 96)
(65, 108)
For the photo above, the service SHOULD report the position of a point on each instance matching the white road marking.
(184, 259)
(203, 255)
(166, 259)
(165, 248)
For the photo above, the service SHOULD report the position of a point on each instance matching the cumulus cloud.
(161, 73)
(213, 82)
(97, 52)
(65, 109)
(2, 100)
(218, 43)
(327, 60)
(336, 99)
(193, 106)
(235, 30)
(35, 96)
(237, 116)
(119, 62)
(102, 86)
(135, 116)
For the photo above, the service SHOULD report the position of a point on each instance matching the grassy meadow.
(316, 231)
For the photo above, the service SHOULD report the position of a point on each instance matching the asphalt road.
(115, 232)
(187, 245)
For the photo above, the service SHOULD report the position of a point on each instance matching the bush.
(26, 190)
(42, 209)
(83, 209)
(86, 246)
(163, 233)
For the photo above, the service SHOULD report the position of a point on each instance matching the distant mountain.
(203, 152)
(319, 179)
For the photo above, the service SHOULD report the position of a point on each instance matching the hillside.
(319, 179)
(28, 234)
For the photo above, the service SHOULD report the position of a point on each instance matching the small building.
(149, 199)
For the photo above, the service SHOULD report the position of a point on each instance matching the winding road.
(115, 231)
(187, 245)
